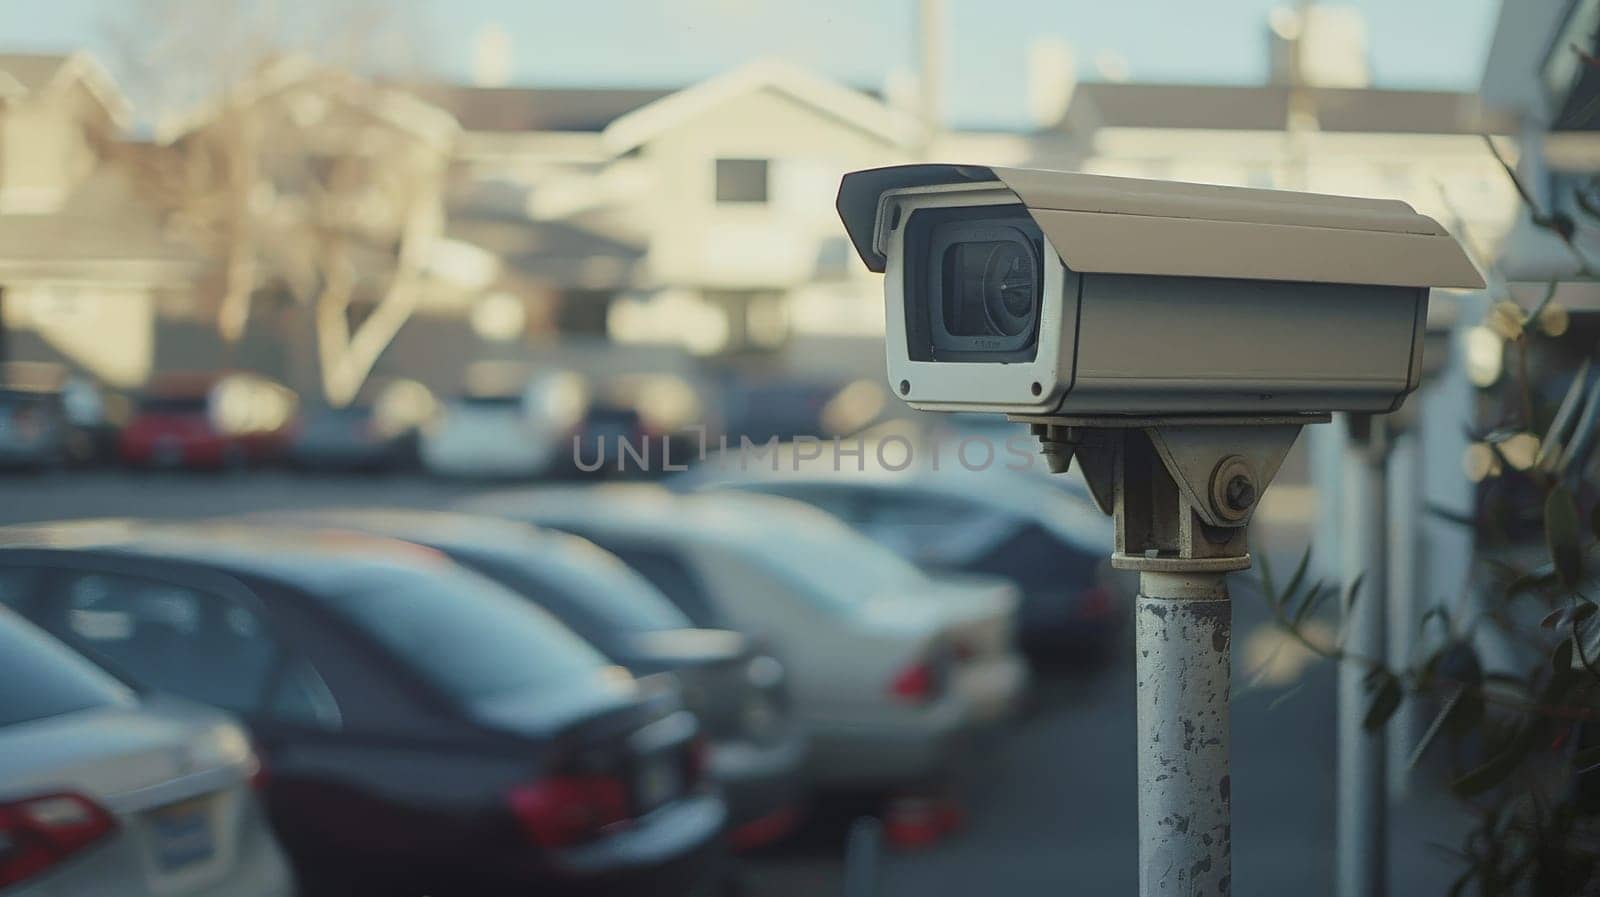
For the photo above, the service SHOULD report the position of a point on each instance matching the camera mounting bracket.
(1182, 492)
(1179, 488)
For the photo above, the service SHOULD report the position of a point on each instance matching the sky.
(1414, 43)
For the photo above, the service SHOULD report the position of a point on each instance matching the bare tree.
(295, 175)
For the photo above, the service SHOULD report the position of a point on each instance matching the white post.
(1361, 830)
(1184, 625)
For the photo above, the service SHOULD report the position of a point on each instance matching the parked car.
(105, 792)
(377, 431)
(209, 421)
(1055, 546)
(892, 673)
(494, 435)
(735, 688)
(423, 729)
(350, 438)
(34, 430)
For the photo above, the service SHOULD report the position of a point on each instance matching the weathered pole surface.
(1362, 825)
(1184, 626)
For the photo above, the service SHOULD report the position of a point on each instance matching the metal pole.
(1404, 545)
(1361, 835)
(1184, 626)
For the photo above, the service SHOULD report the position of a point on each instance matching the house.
(701, 217)
(85, 261)
(1425, 147)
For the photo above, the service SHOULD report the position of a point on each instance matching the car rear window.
(588, 589)
(672, 577)
(834, 568)
(41, 678)
(464, 634)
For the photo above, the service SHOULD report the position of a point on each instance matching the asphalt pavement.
(1050, 809)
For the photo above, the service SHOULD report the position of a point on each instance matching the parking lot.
(1049, 810)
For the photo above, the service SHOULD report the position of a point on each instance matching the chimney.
(491, 57)
(1052, 77)
(1318, 46)
(931, 62)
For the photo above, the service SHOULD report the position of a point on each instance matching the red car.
(183, 431)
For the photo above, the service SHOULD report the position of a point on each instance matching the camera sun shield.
(1043, 293)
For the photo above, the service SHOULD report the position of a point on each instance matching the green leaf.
(1267, 586)
(1586, 759)
(1314, 600)
(1494, 771)
(1384, 703)
(1533, 580)
(1434, 728)
(1299, 574)
(1561, 660)
(1561, 532)
(1354, 590)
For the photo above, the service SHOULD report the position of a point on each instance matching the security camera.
(1047, 293)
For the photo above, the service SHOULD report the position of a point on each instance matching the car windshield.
(465, 634)
(40, 677)
(836, 567)
(588, 589)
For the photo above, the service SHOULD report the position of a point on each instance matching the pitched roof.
(515, 109)
(398, 107)
(32, 71)
(1266, 108)
(855, 107)
(22, 74)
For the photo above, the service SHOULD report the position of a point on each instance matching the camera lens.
(974, 288)
(1009, 287)
(991, 288)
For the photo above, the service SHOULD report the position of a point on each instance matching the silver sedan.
(104, 792)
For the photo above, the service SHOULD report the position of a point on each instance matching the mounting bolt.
(1233, 489)
(1241, 493)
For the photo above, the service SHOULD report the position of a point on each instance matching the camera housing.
(1045, 293)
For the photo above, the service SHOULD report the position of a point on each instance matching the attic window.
(742, 180)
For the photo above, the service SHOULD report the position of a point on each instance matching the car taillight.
(567, 810)
(917, 683)
(40, 832)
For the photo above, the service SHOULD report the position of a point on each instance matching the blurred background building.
(697, 220)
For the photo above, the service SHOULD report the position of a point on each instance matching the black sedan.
(422, 729)
(757, 752)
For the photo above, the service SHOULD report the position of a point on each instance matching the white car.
(892, 672)
(492, 436)
(103, 794)
(1055, 546)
